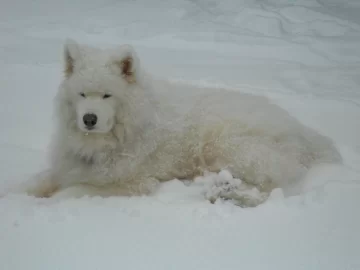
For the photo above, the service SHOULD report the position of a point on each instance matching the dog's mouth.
(94, 130)
(86, 129)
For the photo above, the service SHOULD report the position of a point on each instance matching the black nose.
(90, 120)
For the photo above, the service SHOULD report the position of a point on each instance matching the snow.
(303, 54)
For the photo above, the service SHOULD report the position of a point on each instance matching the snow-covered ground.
(303, 54)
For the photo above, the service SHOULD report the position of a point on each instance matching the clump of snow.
(225, 186)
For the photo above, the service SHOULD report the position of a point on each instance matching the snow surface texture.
(303, 54)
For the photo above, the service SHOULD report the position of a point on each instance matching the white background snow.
(303, 54)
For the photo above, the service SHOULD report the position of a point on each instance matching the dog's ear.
(127, 63)
(72, 54)
(127, 70)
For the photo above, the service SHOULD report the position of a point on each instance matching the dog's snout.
(90, 120)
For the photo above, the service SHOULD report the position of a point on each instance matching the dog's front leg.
(41, 185)
(118, 189)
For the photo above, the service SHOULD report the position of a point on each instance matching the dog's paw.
(41, 185)
(225, 187)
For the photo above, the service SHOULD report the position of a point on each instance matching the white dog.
(121, 132)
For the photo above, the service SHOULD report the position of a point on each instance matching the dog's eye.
(82, 94)
(106, 96)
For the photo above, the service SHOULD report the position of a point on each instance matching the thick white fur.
(158, 131)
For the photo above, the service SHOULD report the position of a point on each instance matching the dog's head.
(96, 80)
(101, 97)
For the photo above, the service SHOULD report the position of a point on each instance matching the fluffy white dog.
(120, 131)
